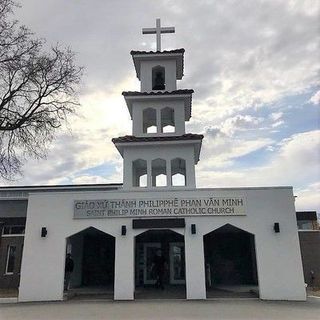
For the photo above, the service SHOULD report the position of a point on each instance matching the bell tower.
(159, 153)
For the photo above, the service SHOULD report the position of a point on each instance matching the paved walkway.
(162, 309)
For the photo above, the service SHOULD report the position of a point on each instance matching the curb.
(9, 300)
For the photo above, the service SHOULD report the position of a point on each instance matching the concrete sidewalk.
(163, 309)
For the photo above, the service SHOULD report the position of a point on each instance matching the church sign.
(209, 206)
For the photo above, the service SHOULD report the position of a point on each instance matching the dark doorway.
(93, 253)
(98, 259)
(171, 247)
(158, 78)
(230, 262)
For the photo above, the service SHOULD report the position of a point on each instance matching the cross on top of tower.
(158, 30)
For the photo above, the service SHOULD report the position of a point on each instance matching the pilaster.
(124, 268)
(195, 268)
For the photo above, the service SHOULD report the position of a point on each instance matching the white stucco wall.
(173, 103)
(168, 151)
(279, 264)
(170, 66)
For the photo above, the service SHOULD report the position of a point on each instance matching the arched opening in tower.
(158, 78)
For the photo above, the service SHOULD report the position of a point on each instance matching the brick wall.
(310, 252)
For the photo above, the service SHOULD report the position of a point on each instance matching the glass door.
(150, 250)
(177, 263)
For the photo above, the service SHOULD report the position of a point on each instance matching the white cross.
(158, 30)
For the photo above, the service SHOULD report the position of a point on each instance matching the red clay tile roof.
(133, 52)
(154, 93)
(187, 136)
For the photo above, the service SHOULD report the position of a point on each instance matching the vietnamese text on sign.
(159, 207)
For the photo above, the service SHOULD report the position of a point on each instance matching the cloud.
(315, 99)
(87, 144)
(277, 124)
(242, 66)
(295, 162)
(276, 115)
(233, 60)
(238, 123)
(308, 198)
(222, 151)
(234, 124)
(90, 179)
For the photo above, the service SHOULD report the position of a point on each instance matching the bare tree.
(37, 92)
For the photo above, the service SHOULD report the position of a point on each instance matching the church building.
(211, 239)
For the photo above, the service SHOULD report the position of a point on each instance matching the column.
(127, 173)
(149, 174)
(195, 271)
(190, 173)
(159, 130)
(179, 116)
(168, 173)
(124, 268)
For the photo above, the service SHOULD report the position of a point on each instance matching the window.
(143, 180)
(158, 78)
(167, 120)
(149, 120)
(178, 171)
(139, 173)
(11, 257)
(159, 173)
(13, 230)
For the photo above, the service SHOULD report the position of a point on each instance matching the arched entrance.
(169, 245)
(230, 263)
(93, 254)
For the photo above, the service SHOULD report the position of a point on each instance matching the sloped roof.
(157, 93)
(196, 139)
(177, 54)
(187, 136)
(134, 52)
(184, 94)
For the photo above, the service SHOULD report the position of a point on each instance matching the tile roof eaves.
(136, 52)
(157, 93)
(131, 139)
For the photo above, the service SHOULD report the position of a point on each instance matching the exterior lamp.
(44, 232)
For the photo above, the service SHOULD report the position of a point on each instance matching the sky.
(254, 66)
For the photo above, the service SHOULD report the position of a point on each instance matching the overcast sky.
(254, 66)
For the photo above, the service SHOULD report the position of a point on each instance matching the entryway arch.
(93, 255)
(169, 246)
(230, 263)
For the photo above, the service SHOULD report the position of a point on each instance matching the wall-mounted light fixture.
(193, 229)
(123, 230)
(44, 232)
(276, 227)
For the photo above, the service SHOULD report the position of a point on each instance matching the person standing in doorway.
(69, 266)
(158, 268)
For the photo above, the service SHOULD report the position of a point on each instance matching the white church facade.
(211, 238)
